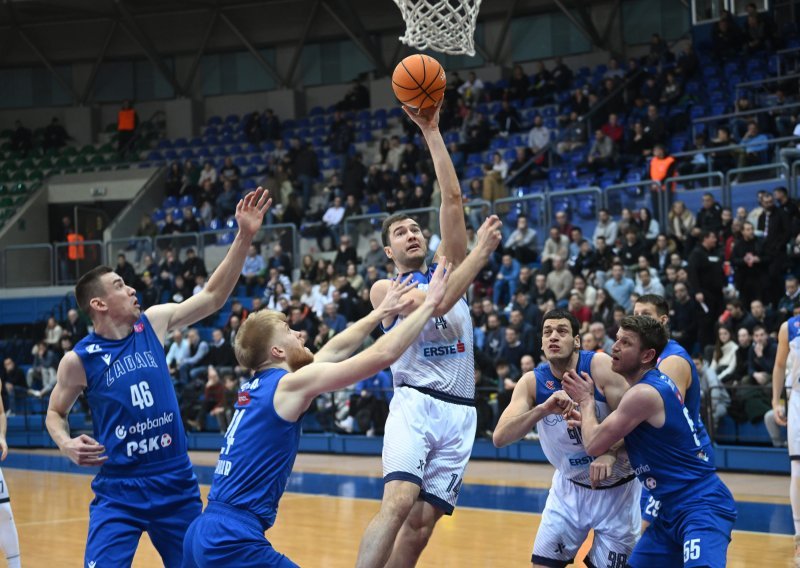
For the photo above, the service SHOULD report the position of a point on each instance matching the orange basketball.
(419, 81)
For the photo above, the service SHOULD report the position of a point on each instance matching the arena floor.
(330, 499)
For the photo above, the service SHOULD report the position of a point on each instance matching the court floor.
(330, 499)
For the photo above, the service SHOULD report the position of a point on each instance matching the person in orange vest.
(661, 168)
(127, 120)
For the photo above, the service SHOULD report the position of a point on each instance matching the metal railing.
(28, 265)
(139, 246)
(741, 186)
(180, 242)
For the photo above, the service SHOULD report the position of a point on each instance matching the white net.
(442, 25)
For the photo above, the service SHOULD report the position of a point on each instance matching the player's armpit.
(679, 370)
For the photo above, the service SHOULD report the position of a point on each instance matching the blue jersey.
(692, 398)
(259, 451)
(134, 408)
(670, 458)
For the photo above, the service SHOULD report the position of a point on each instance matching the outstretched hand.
(426, 118)
(578, 387)
(438, 284)
(250, 211)
(396, 301)
(489, 234)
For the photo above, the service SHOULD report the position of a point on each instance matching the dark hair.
(560, 313)
(757, 327)
(652, 334)
(661, 305)
(706, 233)
(387, 224)
(736, 303)
(89, 287)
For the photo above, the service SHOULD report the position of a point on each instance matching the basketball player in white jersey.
(587, 493)
(431, 426)
(789, 341)
(9, 541)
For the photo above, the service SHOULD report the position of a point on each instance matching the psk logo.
(121, 432)
(94, 348)
(166, 440)
(138, 327)
(550, 384)
(650, 483)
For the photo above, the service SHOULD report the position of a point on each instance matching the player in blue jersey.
(586, 493)
(675, 362)
(697, 513)
(789, 342)
(262, 440)
(146, 481)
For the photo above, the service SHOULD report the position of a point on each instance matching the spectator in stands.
(252, 128)
(539, 135)
(193, 363)
(718, 395)
(747, 265)
(220, 353)
(208, 173)
(763, 317)
(606, 227)
(52, 333)
(471, 89)
(601, 152)
(55, 136)
(754, 147)
(671, 91)
(604, 309)
(521, 243)
(230, 172)
(508, 119)
(723, 362)
(681, 222)
(580, 310)
(475, 133)
(493, 187)
(613, 130)
(559, 280)
(127, 122)
(43, 371)
(619, 286)
(661, 252)
(556, 246)
(345, 254)
(790, 301)
(193, 266)
(723, 159)
(561, 75)
(726, 37)
(253, 270)
(773, 224)
(602, 341)
(541, 293)
(632, 248)
(707, 279)
(655, 127)
(190, 224)
(756, 34)
(573, 135)
(505, 285)
(709, 218)
(270, 127)
(357, 97)
(647, 284)
(341, 134)
(648, 226)
(15, 386)
(333, 319)
(74, 327)
(639, 145)
(227, 199)
(518, 84)
(662, 166)
(278, 298)
(499, 165)
(375, 256)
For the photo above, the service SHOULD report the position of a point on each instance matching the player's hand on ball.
(578, 387)
(438, 284)
(426, 118)
(396, 301)
(600, 469)
(85, 450)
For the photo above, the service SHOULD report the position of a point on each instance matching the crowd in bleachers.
(730, 275)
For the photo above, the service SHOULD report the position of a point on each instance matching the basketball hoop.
(442, 25)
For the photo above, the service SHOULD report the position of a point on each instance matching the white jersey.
(563, 446)
(442, 358)
(793, 330)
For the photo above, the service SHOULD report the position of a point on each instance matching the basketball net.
(442, 25)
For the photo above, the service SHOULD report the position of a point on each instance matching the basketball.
(419, 81)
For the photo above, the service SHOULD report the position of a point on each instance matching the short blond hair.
(254, 339)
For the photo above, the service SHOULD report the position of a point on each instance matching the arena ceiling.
(53, 32)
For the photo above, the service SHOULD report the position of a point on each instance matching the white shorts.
(3, 489)
(571, 510)
(793, 426)
(428, 441)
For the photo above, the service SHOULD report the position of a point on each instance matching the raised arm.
(779, 374)
(343, 344)
(297, 390)
(249, 215)
(489, 236)
(452, 227)
(71, 380)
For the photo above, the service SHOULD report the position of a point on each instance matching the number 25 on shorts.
(691, 549)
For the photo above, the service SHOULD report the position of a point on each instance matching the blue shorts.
(164, 505)
(650, 506)
(692, 530)
(227, 536)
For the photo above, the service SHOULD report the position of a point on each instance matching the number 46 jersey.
(134, 407)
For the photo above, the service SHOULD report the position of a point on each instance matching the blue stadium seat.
(169, 202)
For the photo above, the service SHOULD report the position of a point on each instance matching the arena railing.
(741, 400)
(630, 195)
(744, 115)
(533, 206)
(138, 245)
(762, 82)
(581, 203)
(213, 245)
(742, 188)
(690, 190)
(179, 242)
(782, 54)
(73, 259)
(28, 265)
